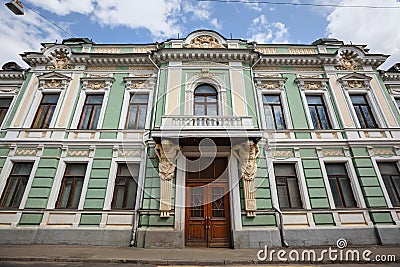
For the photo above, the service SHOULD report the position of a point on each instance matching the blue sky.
(146, 21)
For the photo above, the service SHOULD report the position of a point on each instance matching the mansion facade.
(201, 141)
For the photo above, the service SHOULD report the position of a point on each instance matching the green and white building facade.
(85, 128)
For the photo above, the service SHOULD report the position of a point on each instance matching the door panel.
(207, 216)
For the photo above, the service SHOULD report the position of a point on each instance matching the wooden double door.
(207, 207)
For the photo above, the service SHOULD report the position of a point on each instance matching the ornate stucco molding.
(247, 154)
(311, 82)
(349, 61)
(53, 80)
(204, 41)
(355, 81)
(270, 82)
(140, 81)
(167, 153)
(97, 83)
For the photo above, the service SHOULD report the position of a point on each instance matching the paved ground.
(96, 256)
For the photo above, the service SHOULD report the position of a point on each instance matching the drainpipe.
(135, 222)
(255, 91)
(281, 227)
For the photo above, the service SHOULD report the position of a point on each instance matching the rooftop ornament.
(16, 7)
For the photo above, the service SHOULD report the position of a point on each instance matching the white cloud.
(23, 33)
(65, 7)
(200, 11)
(262, 31)
(157, 16)
(378, 28)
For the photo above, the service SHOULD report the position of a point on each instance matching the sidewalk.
(186, 256)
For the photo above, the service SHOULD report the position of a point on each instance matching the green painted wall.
(99, 175)
(366, 174)
(30, 219)
(314, 179)
(151, 195)
(389, 99)
(44, 178)
(159, 100)
(90, 220)
(323, 219)
(114, 106)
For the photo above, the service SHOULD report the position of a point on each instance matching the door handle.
(208, 227)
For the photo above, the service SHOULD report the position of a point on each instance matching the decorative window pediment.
(143, 81)
(59, 56)
(270, 82)
(355, 81)
(311, 82)
(349, 60)
(97, 82)
(53, 80)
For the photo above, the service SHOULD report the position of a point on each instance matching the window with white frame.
(71, 186)
(397, 99)
(205, 100)
(318, 112)
(5, 103)
(273, 110)
(45, 111)
(287, 186)
(125, 188)
(340, 185)
(363, 111)
(16, 185)
(91, 112)
(137, 111)
(391, 177)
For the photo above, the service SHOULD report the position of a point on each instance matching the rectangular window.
(137, 111)
(363, 111)
(287, 186)
(318, 113)
(274, 112)
(340, 185)
(398, 103)
(391, 177)
(71, 186)
(46, 111)
(5, 103)
(91, 112)
(125, 186)
(16, 184)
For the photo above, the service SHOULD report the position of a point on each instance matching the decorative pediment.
(311, 82)
(140, 81)
(349, 60)
(355, 81)
(270, 82)
(97, 82)
(53, 80)
(205, 39)
(59, 56)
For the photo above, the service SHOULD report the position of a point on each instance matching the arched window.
(205, 100)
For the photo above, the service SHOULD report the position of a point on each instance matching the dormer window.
(205, 100)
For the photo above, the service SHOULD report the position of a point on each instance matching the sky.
(149, 21)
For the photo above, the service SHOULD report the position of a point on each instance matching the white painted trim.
(55, 190)
(284, 103)
(234, 196)
(81, 103)
(36, 103)
(300, 177)
(327, 103)
(7, 171)
(180, 195)
(125, 106)
(375, 160)
(111, 179)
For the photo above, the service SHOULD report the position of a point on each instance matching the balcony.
(216, 126)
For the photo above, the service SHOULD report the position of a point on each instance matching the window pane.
(284, 170)
(22, 168)
(205, 89)
(323, 118)
(9, 192)
(4, 106)
(336, 169)
(272, 99)
(199, 99)
(283, 197)
(139, 98)
(76, 169)
(279, 121)
(398, 102)
(64, 194)
(391, 177)
(131, 194)
(125, 186)
(314, 99)
(212, 110)
(95, 117)
(349, 201)
(132, 117)
(142, 117)
(76, 193)
(358, 99)
(199, 110)
(94, 99)
(87, 111)
(269, 118)
(50, 98)
(294, 194)
(336, 193)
